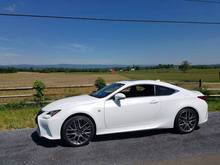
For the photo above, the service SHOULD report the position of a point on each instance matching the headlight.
(51, 113)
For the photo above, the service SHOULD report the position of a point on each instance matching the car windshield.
(107, 90)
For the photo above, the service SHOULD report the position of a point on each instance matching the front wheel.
(186, 120)
(78, 131)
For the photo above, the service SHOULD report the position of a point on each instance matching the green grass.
(21, 118)
(214, 104)
(208, 75)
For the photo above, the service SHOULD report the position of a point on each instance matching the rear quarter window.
(164, 91)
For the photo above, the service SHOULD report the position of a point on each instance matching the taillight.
(203, 97)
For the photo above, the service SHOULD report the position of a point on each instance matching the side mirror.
(119, 96)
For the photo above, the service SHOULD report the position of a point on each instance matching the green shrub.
(22, 118)
(203, 90)
(16, 106)
(39, 92)
(100, 83)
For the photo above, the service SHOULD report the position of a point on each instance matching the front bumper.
(48, 128)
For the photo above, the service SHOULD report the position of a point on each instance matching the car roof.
(154, 82)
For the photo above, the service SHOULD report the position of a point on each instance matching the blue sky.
(46, 41)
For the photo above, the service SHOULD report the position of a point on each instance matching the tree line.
(184, 66)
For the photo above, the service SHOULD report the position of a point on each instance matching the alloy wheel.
(78, 131)
(187, 120)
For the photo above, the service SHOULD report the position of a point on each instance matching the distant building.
(112, 71)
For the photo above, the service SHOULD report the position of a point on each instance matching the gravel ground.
(158, 147)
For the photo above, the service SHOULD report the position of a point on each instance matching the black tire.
(78, 131)
(186, 120)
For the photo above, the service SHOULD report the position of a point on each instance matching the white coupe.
(122, 107)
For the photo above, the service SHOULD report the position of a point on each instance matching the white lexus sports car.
(122, 107)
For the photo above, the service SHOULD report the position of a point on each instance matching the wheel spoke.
(70, 128)
(184, 127)
(72, 133)
(188, 114)
(86, 128)
(85, 125)
(191, 125)
(182, 118)
(77, 123)
(187, 127)
(87, 134)
(84, 137)
(78, 139)
(192, 120)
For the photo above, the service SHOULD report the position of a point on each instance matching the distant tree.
(39, 87)
(165, 66)
(8, 70)
(128, 68)
(100, 83)
(137, 67)
(185, 66)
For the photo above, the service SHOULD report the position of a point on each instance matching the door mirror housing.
(119, 96)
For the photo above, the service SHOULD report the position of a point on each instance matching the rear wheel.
(78, 131)
(186, 120)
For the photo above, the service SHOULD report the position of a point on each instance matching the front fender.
(95, 111)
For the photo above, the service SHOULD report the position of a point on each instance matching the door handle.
(154, 102)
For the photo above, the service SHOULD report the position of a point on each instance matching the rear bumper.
(203, 113)
(204, 118)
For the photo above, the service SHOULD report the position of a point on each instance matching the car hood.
(70, 102)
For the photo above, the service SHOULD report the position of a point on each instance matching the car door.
(139, 108)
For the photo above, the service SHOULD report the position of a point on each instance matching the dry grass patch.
(25, 79)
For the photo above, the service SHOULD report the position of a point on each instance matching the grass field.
(18, 118)
(207, 75)
(24, 79)
(214, 104)
(187, 80)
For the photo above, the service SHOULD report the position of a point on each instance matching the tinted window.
(163, 91)
(139, 91)
(107, 90)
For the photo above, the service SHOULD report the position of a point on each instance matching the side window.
(139, 91)
(163, 91)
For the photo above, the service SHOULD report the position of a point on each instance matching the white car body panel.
(130, 114)
(133, 111)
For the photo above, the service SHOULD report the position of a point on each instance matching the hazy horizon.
(27, 65)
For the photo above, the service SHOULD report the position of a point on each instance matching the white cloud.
(9, 55)
(5, 48)
(4, 39)
(75, 47)
(11, 7)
